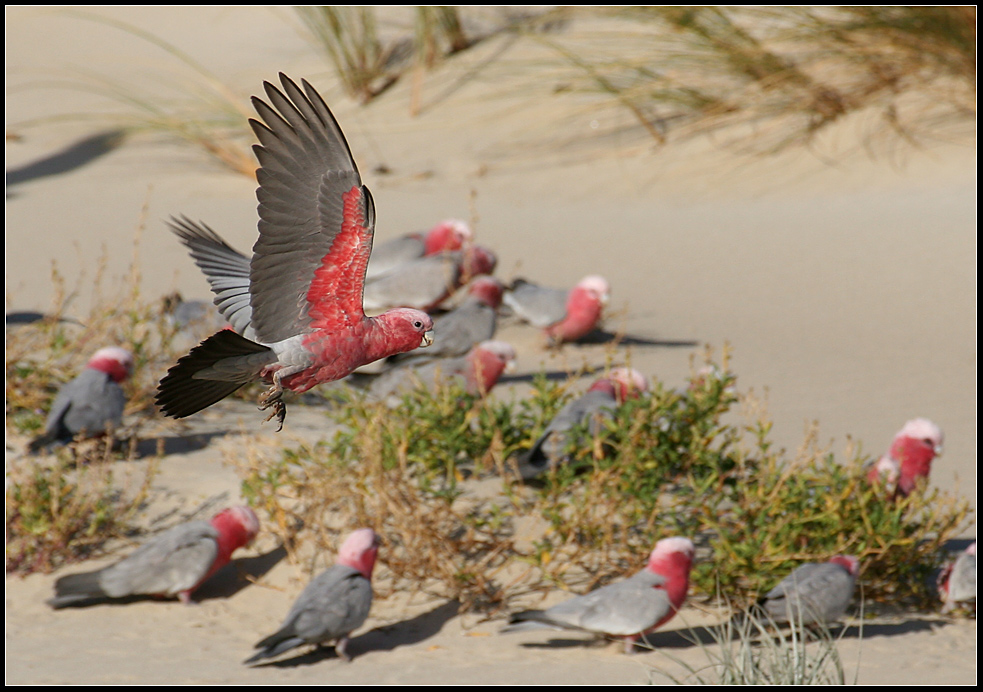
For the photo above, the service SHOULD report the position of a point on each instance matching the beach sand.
(845, 290)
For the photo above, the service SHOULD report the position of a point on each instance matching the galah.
(957, 582)
(172, 563)
(564, 315)
(910, 457)
(595, 407)
(448, 235)
(333, 605)
(477, 371)
(631, 608)
(299, 320)
(426, 282)
(470, 323)
(813, 593)
(92, 403)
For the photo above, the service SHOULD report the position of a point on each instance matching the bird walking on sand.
(813, 593)
(173, 563)
(563, 315)
(299, 320)
(910, 457)
(631, 608)
(92, 403)
(333, 605)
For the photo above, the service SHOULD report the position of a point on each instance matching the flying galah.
(299, 320)
(173, 563)
(470, 323)
(595, 407)
(332, 605)
(564, 315)
(426, 282)
(957, 582)
(448, 235)
(910, 457)
(631, 608)
(478, 371)
(813, 593)
(91, 403)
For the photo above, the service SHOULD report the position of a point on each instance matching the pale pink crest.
(115, 361)
(923, 429)
(359, 551)
(488, 290)
(597, 285)
(630, 381)
(447, 236)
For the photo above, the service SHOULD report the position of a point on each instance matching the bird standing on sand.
(299, 320)
(333, 605)
(630, 608)
(813, 593)
(91, 403)
(175, 562)
(563, 315)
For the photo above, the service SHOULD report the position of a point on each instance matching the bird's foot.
(339, 649)
(273, 398)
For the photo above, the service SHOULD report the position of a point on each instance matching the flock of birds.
(296, 318)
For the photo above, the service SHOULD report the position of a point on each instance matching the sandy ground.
(846, 291)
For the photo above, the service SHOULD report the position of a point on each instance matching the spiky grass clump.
(435, 478)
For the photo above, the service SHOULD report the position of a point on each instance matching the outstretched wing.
(316, 220)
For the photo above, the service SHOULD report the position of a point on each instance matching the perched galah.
(470, 323)
(173, 563)
(446, 236)
(910, 457)
(957, 582)
(426, 282)
(299, 320)
(92, 403)
(813, 593)
(332, 605)
(477, 372)
(595, 407)
(631, 608)
(564, 315)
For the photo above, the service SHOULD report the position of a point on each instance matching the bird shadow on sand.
(67, 160)
(601, 337)
(178, 444)
(385, 638)
(238, 575)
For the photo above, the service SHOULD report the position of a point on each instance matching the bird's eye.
(418, 324)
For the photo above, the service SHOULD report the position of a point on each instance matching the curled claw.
(273, 398)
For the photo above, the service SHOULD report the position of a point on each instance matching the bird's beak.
(938, 450)
(427, 338)
(511, 367)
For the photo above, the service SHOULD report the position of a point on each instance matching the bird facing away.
(813, 593)
(910, 457)
(333, 605)
(477, 371)
(595, 407)
(92, 403)
(563, 315)
(630, 608)
(299, 320)
(957, 582)
(446, 236)
(175, 562)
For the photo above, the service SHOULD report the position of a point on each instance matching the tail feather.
(77, 588)
(273, 646)
(181, 394)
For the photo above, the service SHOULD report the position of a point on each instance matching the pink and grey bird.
(631, 608)
(92, 403)
(173, 563)
(477, 371)
(446, 236)
(298, 321)
(910, 457)
(813, 593)
(563, 315)
(593, 409)
(957, 582)
(426, 282)
(333, 605)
